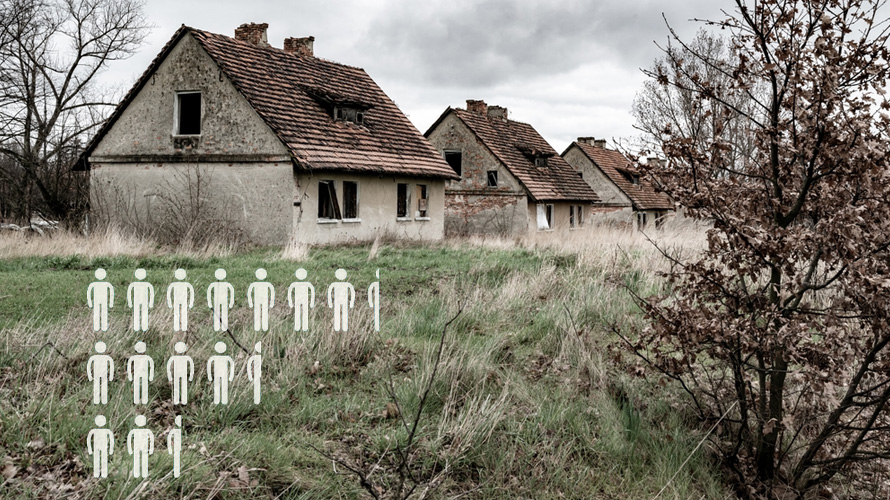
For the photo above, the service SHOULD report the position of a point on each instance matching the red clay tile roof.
(612, 163)
(514, 144)
(291, 92)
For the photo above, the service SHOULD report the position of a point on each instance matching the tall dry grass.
(106, 242)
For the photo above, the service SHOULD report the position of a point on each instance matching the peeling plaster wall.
(608, 192)
(228, 124)
(250, 200)
(471, 207)
(377, 200)
(140, 169)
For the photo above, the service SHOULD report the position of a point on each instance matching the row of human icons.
(221, 298)
(140, 444)
(180, 371)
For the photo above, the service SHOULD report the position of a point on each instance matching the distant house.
(627, 197)
(272, 142)
(512, 182)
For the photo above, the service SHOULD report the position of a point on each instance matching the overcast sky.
(568, 67)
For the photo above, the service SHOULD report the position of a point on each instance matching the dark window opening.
(328, 208)
(540, 161)
(454, 159)
(350, 200)
(571, 215)
(549, 213)
(641, 220)
(422, 204)
(402, 200)
(349, 115)
(581, 174)
(189, 113)
(492, 178)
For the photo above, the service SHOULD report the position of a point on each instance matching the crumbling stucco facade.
(471, 205)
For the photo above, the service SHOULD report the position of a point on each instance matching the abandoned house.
(235, 133)
(627, 197)
(512, 182)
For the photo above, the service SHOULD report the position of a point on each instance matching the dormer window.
(631, 177)
(347, 114)
(187, 114)
(541, 161)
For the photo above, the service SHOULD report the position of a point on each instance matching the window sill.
(404, 219)
(422, 218)
(328, 221)
(350, 221)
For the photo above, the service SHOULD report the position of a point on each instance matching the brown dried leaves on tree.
(786, 313)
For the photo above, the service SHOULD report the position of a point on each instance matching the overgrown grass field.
(526, 401)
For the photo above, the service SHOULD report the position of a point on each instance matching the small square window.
(402, 200)
(454, 159)
(492, 178)
(541, 161)
(350, 200)
(188, 113)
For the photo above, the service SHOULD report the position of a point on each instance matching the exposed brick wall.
(300, 46)
(252, 33)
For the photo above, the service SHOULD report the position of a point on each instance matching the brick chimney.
(497, 112)
(300, 46)
(253, 33)
(479, 107)
(593, 141)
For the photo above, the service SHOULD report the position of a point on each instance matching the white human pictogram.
(140, 444)
(301, 297)
(141, 298)
(100, 370)
(180, 298)
(374, 300)
(220, 297)
(140, 371)
(254, 370)
(220, 371)
(100, 296)
(261, 297)
(180, 371)
(100, 444)
(174, 444)
(341, 297)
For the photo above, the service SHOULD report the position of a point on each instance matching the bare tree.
(783, 323)
(50, 54)
(674, 102)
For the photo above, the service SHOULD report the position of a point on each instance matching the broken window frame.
(576, 216)
(545, 216)
(403, 201)
(454, 153)
(541, 161)
(328, 206)
(492, 178)
(349, 114)
(422, 201)
(350, 201)
(186, 113)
